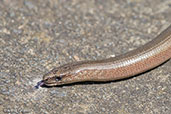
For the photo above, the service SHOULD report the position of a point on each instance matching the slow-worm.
(123, 66)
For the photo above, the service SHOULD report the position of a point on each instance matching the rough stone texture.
(37, 35)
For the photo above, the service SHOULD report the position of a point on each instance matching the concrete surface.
(37, 35)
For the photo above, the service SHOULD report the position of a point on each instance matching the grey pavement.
(38, 35)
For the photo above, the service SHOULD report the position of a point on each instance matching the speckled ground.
(37, 35)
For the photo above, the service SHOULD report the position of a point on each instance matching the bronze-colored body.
(134, 62)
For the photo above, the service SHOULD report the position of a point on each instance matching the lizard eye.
(58, 78)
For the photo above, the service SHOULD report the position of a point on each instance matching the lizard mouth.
(40, 84)
(44, 83)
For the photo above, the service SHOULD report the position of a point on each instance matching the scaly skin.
(129, 64)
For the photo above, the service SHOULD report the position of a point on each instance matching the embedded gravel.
(36, 36)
